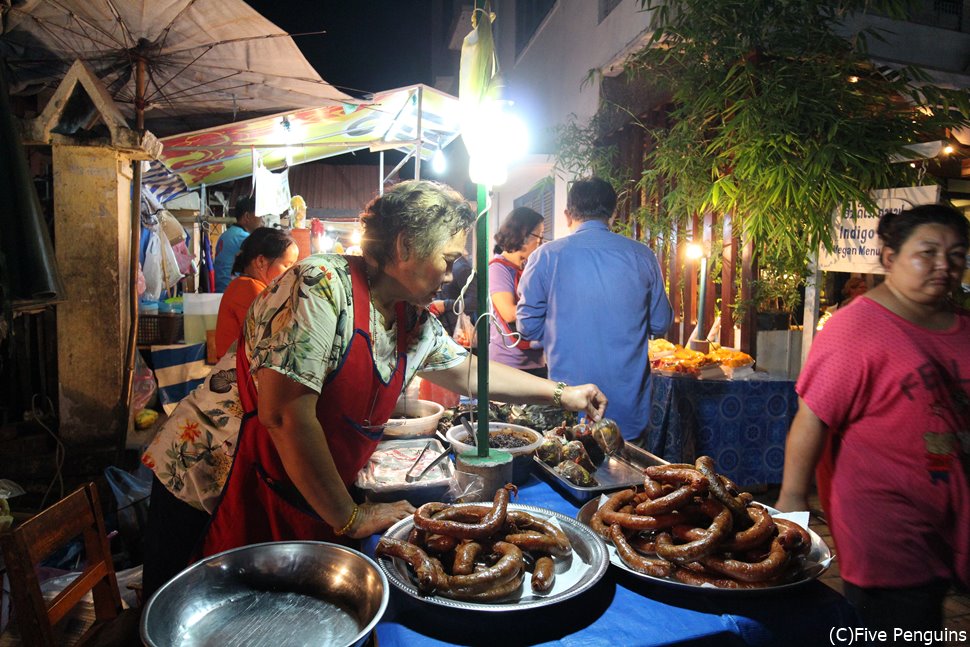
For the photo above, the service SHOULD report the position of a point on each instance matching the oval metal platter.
(574, 574)
(813, 565)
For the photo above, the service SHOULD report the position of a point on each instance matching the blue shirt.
(593, 299)
(226, 249)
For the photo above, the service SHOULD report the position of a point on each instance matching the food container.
(521, 455)
(279, 593)
(621, 470)
(413, 419)
(382, 479)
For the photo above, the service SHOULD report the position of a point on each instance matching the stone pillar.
(92, 212)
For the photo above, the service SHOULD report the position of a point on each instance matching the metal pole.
(481, 267)
(420, 144)
(702, 302)
(380, 189)
(126, 417)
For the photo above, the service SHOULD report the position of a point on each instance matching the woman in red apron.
(325, 353)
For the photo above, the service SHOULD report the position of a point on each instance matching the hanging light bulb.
(694, 251)
(356, 237)
(438, 163)
(948, 149)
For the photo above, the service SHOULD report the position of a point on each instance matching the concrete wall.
(936, 49)
(550, 80)
(547, 80)
(92, 188)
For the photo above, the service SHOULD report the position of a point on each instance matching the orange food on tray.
(685, 361)
(732, 358)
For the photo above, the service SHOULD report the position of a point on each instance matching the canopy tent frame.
(195, 159)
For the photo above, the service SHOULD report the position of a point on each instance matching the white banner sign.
(856, 245)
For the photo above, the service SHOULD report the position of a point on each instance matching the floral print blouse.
(300, 326)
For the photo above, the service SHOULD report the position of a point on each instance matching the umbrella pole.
(126, 415)
(481, 265)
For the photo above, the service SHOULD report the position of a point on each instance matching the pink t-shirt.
(897, 397)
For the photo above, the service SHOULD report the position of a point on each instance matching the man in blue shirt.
(593, 299)
(229, 242)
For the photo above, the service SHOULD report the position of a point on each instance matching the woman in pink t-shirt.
(884, 420)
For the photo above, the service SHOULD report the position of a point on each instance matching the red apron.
(259, 502)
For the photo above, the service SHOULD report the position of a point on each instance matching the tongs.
(410, 478)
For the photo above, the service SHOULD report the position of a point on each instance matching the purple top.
(501, 278)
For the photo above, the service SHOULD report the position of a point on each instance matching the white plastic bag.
(171, 274)
(144, 386)
(465, 333)
(152, 268)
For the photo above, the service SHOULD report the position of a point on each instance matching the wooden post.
(749, 272)
(729, 255)
(674, 334)
(709, 298)
(810, 316)
(690, 287)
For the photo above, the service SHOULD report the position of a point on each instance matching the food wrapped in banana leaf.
(550, 451)
(575, 474)
(540, 417)
(584, 434)
(607, 435)
(575, 452)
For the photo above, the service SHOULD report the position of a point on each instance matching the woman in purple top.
(516, 239)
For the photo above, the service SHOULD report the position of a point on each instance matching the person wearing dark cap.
(231, 240)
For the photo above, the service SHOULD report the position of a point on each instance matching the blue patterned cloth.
(741, 424)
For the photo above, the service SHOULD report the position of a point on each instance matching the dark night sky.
(370, 45)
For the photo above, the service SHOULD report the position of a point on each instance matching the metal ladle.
(472, 440)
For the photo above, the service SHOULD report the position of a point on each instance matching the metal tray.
(813, 565)
(622, 470)
(574, 575)
(433, 486)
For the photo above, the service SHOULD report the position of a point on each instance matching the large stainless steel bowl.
(278, 594)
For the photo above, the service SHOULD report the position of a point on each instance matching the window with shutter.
(541, 199)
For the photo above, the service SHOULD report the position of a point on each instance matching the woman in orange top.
(263, 256)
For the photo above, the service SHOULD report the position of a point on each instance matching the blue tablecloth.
(741, 424)
(621, 610)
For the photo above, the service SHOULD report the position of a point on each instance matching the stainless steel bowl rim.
(385, 596)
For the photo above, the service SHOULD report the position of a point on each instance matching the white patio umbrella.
(183, 64)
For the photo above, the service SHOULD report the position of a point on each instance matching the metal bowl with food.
(280, 593)
(517, 440)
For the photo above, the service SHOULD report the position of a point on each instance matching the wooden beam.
(729, 257)
(749, 272)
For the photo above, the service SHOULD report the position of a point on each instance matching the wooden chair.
(28, 544)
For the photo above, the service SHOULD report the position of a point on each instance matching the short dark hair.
(520, 222)
(591, 199)
(895, 228)
(426, 213)
(264, 241)
(243, 206)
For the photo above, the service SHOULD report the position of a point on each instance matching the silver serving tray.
(574, 574)
(621, 470)
(813, 565)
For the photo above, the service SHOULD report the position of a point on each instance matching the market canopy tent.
(408, 119)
